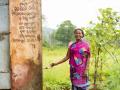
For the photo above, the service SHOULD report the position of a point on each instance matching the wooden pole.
(25, 44)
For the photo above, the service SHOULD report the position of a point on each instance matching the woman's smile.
(78, 34)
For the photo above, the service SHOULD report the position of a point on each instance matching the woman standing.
(78, 54)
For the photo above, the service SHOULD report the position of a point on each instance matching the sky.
(80, 12)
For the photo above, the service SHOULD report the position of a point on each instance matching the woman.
(78, 54)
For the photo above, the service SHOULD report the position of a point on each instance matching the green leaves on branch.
(104, 37)
(106, 29)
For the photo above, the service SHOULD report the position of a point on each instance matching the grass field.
(56, 78)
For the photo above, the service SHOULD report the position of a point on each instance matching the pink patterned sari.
(79, 56)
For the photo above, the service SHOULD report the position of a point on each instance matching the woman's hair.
(80, 30)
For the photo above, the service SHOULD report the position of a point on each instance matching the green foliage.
(103, 36)
(64, 32)
(112, 81)
(104, 31)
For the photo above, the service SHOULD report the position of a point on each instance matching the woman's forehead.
(78, 31)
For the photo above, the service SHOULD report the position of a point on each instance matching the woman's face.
(78, 34)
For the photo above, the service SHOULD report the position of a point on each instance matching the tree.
(103, 36)
(64, 33)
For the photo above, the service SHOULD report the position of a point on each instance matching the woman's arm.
(62, 60)
(87, 56)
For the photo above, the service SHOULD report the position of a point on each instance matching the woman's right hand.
(49, 66)
(52, 64)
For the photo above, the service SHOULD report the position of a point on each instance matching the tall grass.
(56, 78)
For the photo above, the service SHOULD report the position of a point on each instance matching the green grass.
(56, 78)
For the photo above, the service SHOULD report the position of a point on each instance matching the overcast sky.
(80, 12)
